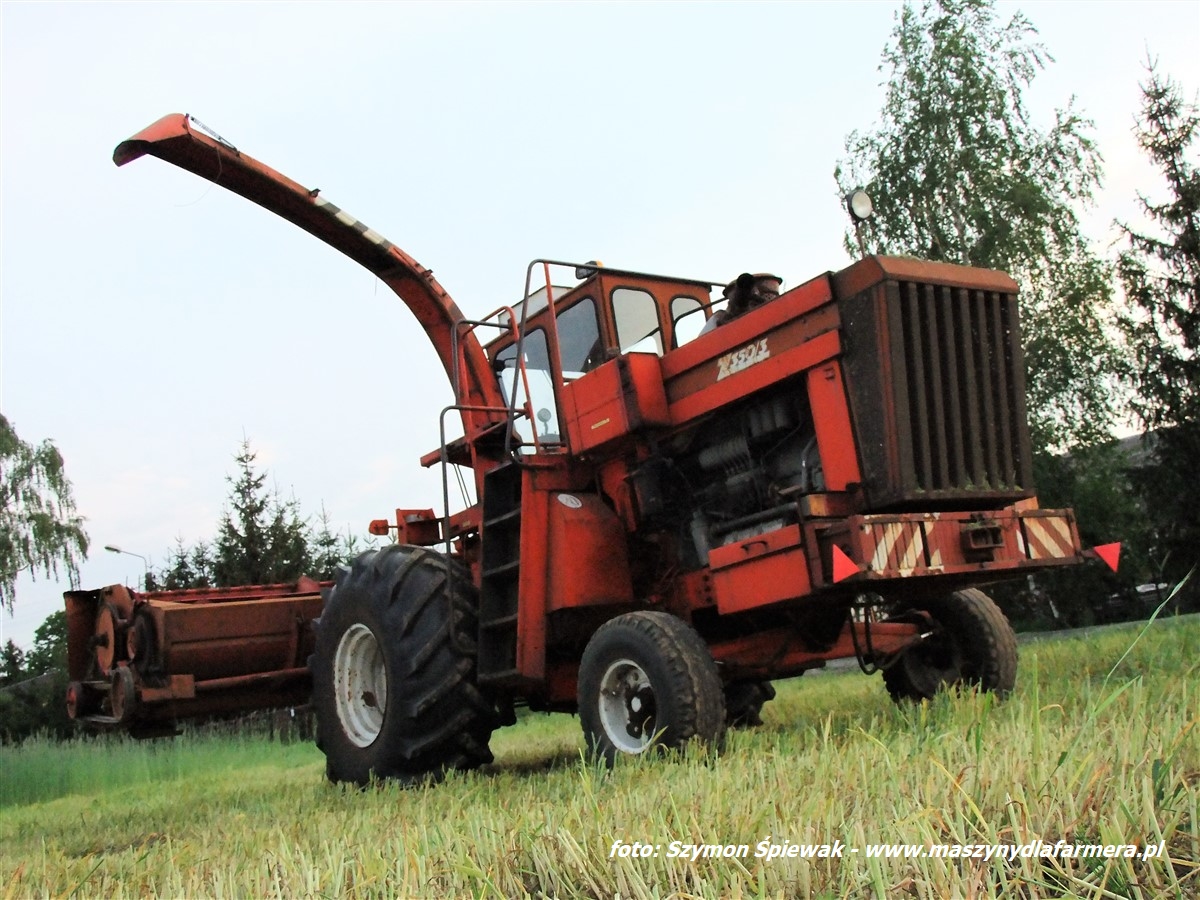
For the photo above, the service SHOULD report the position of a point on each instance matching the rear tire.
(975, 646)
(647, 680)
(394, 670)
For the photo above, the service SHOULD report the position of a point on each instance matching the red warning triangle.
(1110, 553)
(843, 566)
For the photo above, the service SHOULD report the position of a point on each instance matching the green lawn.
(1097, 746)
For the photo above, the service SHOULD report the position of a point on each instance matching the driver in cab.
(744, 293)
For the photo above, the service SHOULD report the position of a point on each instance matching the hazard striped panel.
(918, 544)
(346, 219)
(899, 547)
(1046, 537)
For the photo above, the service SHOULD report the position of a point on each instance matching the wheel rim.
(360, 685)
(934, 665)
(628, 707)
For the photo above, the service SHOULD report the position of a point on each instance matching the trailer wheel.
(647, 679)
(975, 646)
(744, 701)
(394, 670)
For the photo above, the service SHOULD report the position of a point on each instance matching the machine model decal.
(750, 355)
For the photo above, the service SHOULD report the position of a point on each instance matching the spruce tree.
(1160, 272)
(261, 539)
(241, 544)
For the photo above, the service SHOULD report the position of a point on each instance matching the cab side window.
(580, 348)
(541, 388)
(638, 328)
(687, 318)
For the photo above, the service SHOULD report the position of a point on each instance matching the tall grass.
(42, 769)
(1085, 750)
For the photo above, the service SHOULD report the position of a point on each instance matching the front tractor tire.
(647, 680)
(394, 670)
(973, 646)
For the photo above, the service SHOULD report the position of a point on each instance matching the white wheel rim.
(360, 685)
(628, 710)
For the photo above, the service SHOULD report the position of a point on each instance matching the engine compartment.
(738, 475)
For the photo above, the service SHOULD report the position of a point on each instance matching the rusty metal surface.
(152, 658)
(873, 269)
(937, 551)
(936, 380)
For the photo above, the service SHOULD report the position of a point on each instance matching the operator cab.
(570, 331)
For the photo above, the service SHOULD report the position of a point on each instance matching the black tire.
(744, 701)
(394, 670)
(974, 646)
(647, 680)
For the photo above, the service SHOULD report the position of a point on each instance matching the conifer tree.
(1160, 272)
(261, 539)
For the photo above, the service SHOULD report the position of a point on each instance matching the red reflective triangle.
(1110, 553)
(843, 566)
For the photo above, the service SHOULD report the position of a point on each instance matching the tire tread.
(436, 717)
(984, 637)
(697, 695)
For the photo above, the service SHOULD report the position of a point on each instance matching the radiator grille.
(959, 388)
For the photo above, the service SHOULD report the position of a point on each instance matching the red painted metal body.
(146, 659)
(878, 410)
(765, 601)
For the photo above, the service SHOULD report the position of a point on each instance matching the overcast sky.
(149, 321)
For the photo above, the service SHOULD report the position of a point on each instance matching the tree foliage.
(33, 684)
(330, 549)
(261, 539)
(187, 567)
(39, 528)
(48, 653)
(1160, 272)
(12, 663)
(958, 173)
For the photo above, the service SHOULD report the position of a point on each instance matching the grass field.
(1098, 745)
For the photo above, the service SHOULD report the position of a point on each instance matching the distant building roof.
(1139, 449)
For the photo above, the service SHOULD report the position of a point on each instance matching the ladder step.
(503, 569)
(501, 527)
(506, 517)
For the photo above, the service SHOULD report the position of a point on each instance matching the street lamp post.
(145, 562)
